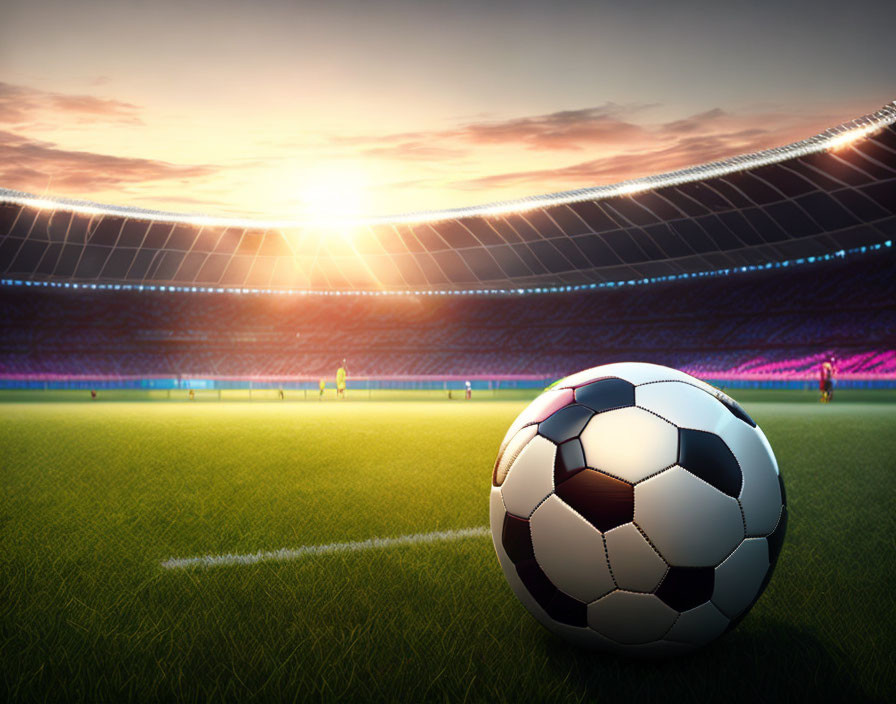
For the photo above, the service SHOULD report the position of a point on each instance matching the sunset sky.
(294, 109)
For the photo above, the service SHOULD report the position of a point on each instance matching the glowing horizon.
(283, 110)
(832, 139)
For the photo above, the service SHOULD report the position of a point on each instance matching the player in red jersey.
(826, 381)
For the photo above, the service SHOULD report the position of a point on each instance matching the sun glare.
(332, 194)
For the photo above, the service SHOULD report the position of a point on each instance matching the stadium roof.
(831, 192)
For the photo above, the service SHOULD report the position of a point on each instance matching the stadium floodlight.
(630, 187)
(840, 254)
(845, 139)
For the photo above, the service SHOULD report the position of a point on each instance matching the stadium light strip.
(516, 291)
(831, 139)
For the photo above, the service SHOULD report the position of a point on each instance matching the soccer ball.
(637, 509)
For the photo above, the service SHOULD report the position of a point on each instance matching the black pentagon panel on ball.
(604, 501)
(685, 588)
(517, 539)
(735, 408)
(606, 394)
(706, 455)
(776, 538)
(559, 605)
(566, 423)
(569, 460)
(565, 609)
(536, 582)
(783, 493)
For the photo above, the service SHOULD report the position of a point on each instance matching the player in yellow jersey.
(340, 381)
(323, 385)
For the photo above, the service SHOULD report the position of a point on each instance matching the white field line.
(284, 554)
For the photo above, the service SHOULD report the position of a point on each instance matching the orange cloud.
(413, 151)
(563, 130)
(705, 137)
(476, 160)
(557, 131)
(38, 166)
(19, 104)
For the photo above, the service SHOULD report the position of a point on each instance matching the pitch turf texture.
(97, 495)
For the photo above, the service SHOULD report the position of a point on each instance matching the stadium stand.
(834, 191)
(538, 287)
(782, 321)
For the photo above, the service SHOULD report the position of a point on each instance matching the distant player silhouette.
(340, 381)
(826, 380)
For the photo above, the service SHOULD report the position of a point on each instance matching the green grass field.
(96, 495)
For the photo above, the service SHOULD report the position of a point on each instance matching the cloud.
(412, 151)
(458, 164)
(622, 143)
(694, 122)
(699, 139)
(564, 130)
(38, 166)
(413, 183)
(20, 104)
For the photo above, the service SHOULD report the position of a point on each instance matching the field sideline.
(98, 495)
(809, 395)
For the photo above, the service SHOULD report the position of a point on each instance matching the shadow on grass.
(772, 661)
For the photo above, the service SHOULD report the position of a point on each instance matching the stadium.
(748, 273)
(793, 247)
